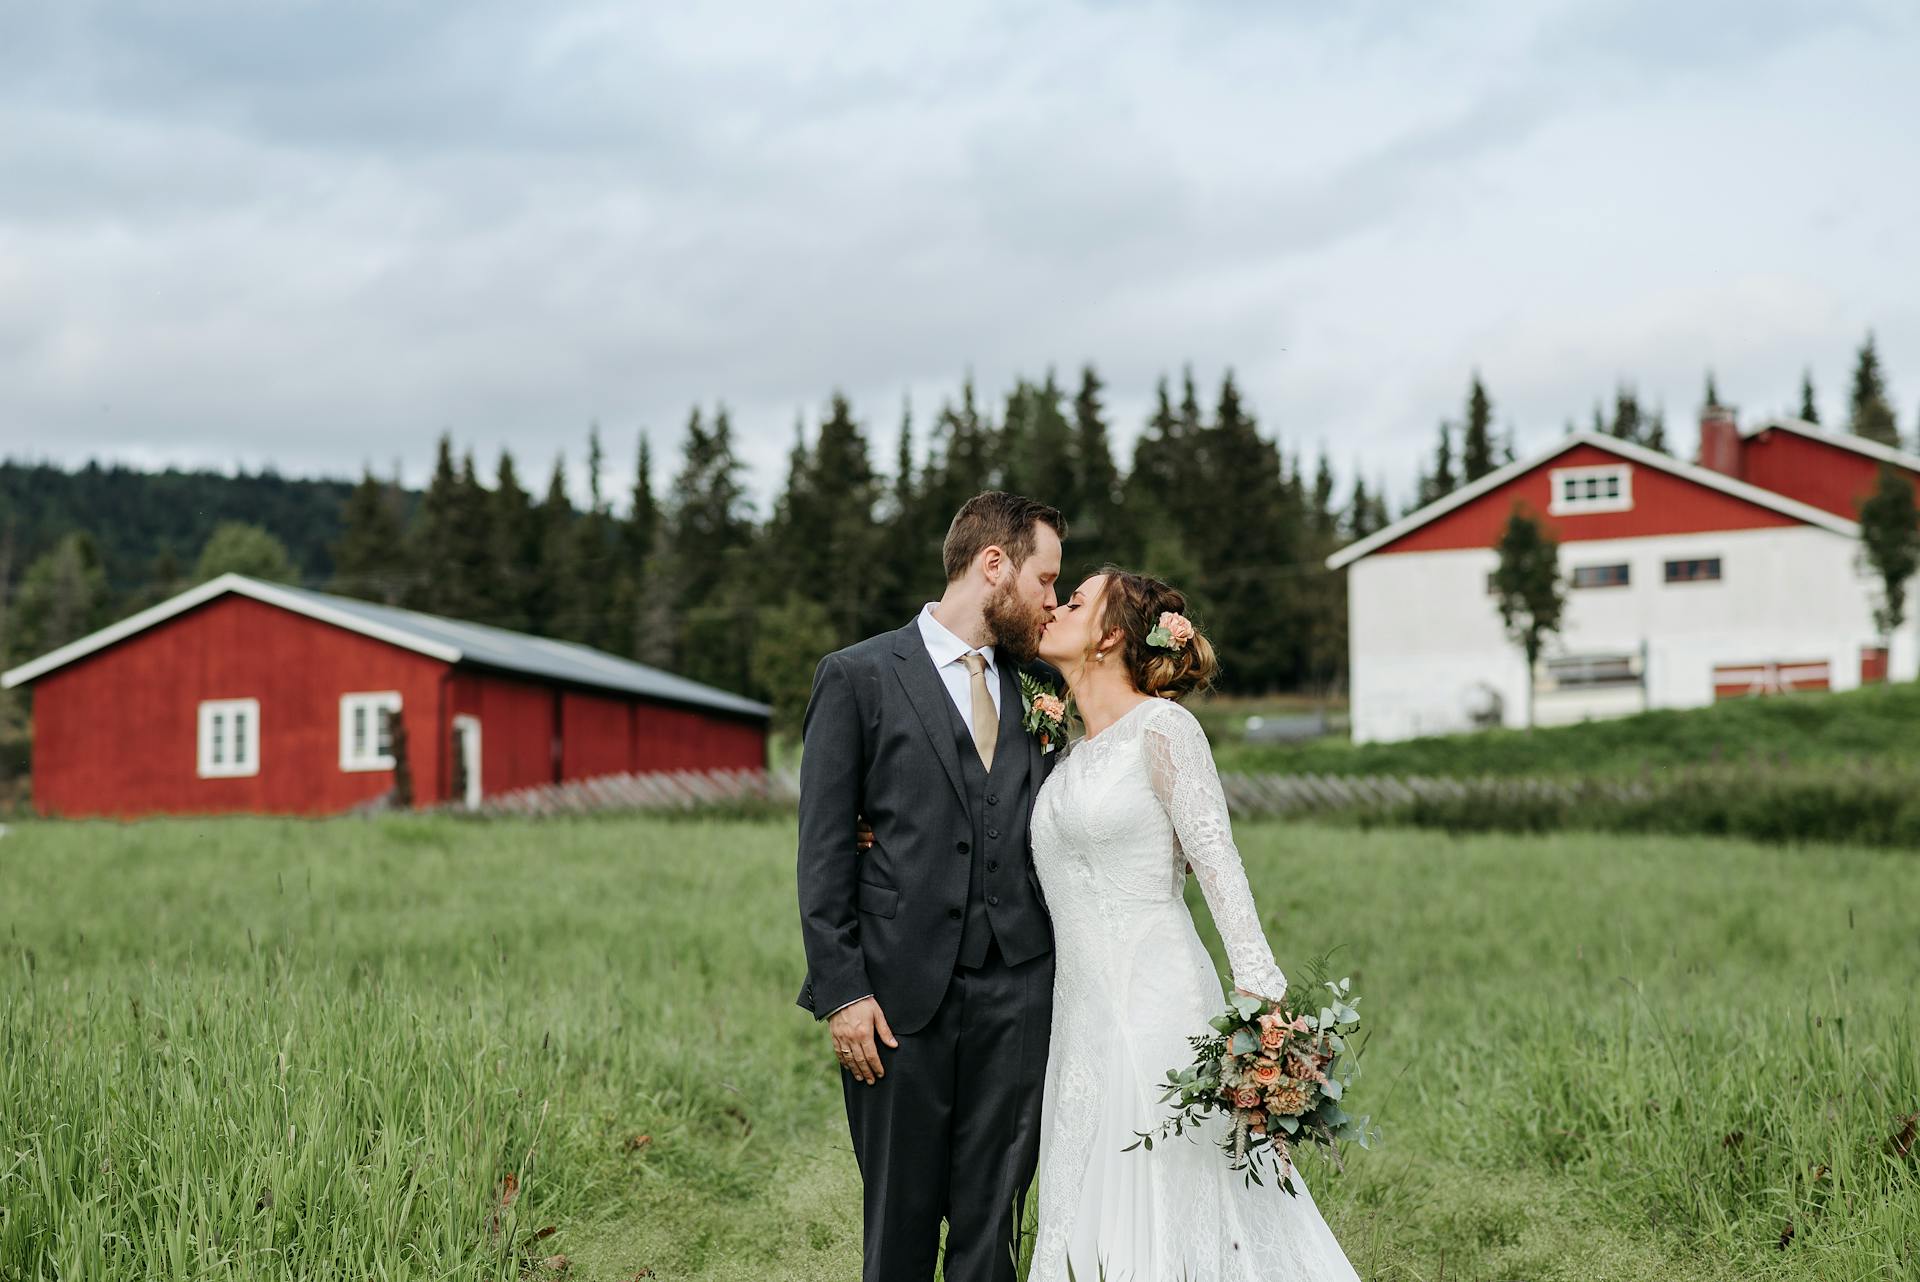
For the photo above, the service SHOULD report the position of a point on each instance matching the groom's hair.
(996, 519)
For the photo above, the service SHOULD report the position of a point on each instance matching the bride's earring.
(1100, 656)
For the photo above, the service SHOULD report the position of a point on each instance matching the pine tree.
(1154, 478)
(1358, 518)
(1626, 414)
(513, 550)
(1809, 411)
(447, 550)
(642, 616)
(1476, 450)
(369, 559)
(480, 596)
(1871, 411)
(1654, 434)
(1096, 524)
(911, 548)
(832, 545)
(1441, 482)
(966, 447)
(1251, 523)
(1037, 442)
(1324, 609)
(555, 599)
(597, 560)
(709, 539)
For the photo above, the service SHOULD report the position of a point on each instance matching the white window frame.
(240, 757)
(1667, 563)
(371, 702)
(471, 724)
(1573, 576)
(1560, 505)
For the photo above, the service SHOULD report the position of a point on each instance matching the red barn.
(241, 695)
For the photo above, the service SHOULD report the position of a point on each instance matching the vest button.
(993, 865)
(992, 800)
(963, 848)
(993, 832)
(993, 901)
(954, 913)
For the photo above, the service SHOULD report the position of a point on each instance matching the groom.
(930, 955)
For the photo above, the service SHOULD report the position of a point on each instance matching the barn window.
(1601, 576)
(366, 729)
(229, 738)
(1591, 489)
(1701, 570)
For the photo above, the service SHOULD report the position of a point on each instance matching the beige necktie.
(986, 722)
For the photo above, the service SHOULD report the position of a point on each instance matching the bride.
(1118, 824)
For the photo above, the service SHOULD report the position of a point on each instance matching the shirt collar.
(943, 646)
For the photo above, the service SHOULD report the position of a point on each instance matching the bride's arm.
(1180, 763)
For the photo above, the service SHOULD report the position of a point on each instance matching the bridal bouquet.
(1277, 1072)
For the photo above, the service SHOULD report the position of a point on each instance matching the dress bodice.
(1118, 822)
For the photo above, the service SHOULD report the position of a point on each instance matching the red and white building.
(1738, 574)
(241, 695)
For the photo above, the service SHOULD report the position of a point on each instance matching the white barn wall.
(1425, 632)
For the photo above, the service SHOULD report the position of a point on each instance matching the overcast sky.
(314, 235)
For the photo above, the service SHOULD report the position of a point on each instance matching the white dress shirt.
(946, 650)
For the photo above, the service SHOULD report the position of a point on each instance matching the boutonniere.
(1046, 713)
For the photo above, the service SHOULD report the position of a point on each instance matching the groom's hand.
(853, 1029)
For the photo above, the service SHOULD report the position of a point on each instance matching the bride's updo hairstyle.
(1134, 603)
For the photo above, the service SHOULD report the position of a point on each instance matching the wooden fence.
(1247, 794)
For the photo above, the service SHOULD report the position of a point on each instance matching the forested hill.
(140, 520)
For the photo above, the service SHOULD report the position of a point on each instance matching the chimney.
(1719, 440)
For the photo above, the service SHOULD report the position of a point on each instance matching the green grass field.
(1874, 725)
(253, 1048)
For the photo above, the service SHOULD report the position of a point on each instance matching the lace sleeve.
(1180, 762)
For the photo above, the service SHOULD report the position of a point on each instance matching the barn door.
(466, 760)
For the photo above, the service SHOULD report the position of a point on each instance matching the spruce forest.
(674, 565)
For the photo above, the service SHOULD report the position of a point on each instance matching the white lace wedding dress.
(1113, 829)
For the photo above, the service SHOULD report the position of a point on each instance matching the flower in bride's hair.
(1171, 633)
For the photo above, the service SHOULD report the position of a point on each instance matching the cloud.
(316, 235)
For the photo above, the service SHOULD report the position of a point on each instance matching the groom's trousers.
(953, 1130)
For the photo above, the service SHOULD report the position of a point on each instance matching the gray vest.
(1001, 903)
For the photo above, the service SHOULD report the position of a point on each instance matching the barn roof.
(1614, 445)
(449, 640)
(1839, 440)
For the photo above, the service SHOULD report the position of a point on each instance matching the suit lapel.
(1012, 711)
(1036, 760)
(927, 695)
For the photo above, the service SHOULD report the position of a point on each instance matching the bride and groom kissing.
(1006, 965)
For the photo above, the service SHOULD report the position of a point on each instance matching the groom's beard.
(1015, 625)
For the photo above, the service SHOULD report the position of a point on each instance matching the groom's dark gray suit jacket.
(950, 862)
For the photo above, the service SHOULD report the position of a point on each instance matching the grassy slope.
(1567, 1029)
(1875, 724)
